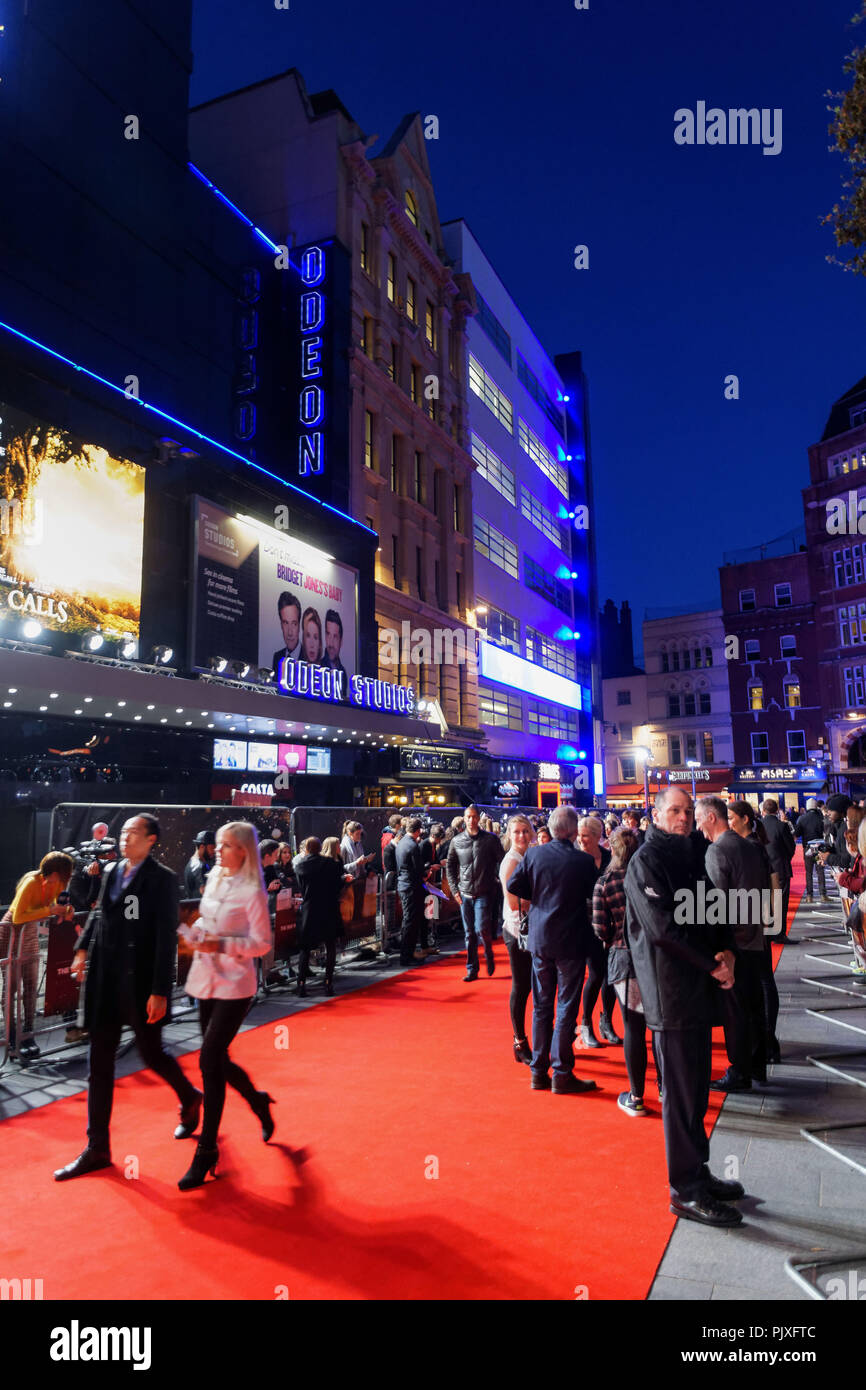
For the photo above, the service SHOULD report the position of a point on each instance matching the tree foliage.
(848, 132)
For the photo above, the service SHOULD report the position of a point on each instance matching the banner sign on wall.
(71, 530)
(264, 596)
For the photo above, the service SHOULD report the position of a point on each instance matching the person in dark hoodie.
(680, 962)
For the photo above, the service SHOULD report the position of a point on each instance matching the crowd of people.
(588, 906)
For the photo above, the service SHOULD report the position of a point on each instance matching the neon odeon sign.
(311, 401)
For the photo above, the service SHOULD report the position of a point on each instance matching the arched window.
(665, 663)
(857, 752)
(411, 208)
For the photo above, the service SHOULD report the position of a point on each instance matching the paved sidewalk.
(802, 1202)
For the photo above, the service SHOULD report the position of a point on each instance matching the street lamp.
(645, 754)
(692, 764)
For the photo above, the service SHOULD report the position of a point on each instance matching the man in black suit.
(781, 847)
(289, 611)
(557, 879)
(679, 962)
(411, 873)
(128, 948)
(333, 641)
(740, 869)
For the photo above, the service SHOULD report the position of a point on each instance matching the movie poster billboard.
(262, 595)
(71, 530)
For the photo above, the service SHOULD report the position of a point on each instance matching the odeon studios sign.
(339, 688)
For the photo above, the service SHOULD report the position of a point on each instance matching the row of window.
(689, 704)
(790, 693)
(488, 321)
(484, 386)
(421, 390)
(497, 473)
(682, 748)
(852, 624)
(849, 462)
(855, 685)
(410, 300)
(503, 630)
(684, 659)
(783, 598)
(539, 395)
(496, 547)
(796, 747)
(787, 647)
(439, 596)
(503, 709)
(417, 490)
(848, 566)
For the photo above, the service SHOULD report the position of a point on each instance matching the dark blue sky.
(556, 128)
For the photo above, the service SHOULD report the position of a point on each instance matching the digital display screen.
(262, 757)
(229, 755)
(319, 760)
(293, 757)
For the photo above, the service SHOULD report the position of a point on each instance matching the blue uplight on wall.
(566, 754)
(581, 755)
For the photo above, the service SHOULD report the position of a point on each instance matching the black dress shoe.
(470, 976)
(707, 1210)
(189, 1118)
(730, 1085)
(571, 1085)
(724, 1191)
(540, 1081)
(87, 1162)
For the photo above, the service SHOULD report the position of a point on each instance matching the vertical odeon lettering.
(311, 402)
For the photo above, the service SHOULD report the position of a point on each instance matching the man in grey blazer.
(740, 869)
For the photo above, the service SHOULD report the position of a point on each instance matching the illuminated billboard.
(71, 531)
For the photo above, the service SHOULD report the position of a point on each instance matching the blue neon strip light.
(234, 208)
(190, 429)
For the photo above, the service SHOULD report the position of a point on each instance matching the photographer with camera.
(36, 895)
(89, 860)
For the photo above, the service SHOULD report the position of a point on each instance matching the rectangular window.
(855, 685)
(547, 652)
(499, 708)
(541, 455)
(395, 561)
(395, 463)
(411, 310)
(415, 384)
(367, 340)
(760, 749)
(623, 697)
(489, 323)
(699, 661)
(848, 566)
(430, 326)
(708, 747)
(551, 721)
(392, 277)
(543, 520)
(542, 582)
(394, 368)
(796, 746)
(485, 387)
(438, 579)
(492, 469)
(756, 696)
(365, 247)
(852, 624)
(430, 406)
(458, 508)
(753, 649)
(747, 601)
(676, 753)
(687, 660)
(419, 572)
(784, 598)
(691, 748)
(371, 523)
(436, 491)
(626, 732)
(500, 628)
(675, 662)
(704, 702)
(539, 395)
(369, 440)
(708, 656)
(498, 548)
(419, 477)
(627, 769)
(665, 662)
(792, 694)
(689, 705)
(673, 707)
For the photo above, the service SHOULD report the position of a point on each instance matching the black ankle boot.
(329, 985)
(302, 988)
(204, 1162)
(262, 1108)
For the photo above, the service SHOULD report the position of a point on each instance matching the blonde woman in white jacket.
(233, 929)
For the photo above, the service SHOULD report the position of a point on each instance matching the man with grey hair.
(679, 965)
(557, 879)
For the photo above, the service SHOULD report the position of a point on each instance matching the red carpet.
(537, 1196)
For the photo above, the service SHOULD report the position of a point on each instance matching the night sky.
(556, 128)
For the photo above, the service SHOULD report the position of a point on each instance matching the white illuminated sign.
(508, 669)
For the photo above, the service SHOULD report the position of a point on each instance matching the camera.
(92, 851)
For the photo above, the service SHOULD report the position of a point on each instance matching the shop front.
(791, 786)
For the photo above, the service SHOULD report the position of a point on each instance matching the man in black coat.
(411, 873)
(472, 869)
(202, 861)
(680, 961)
(128, 948)
(810, 829)
(558, 880)
(781, 847)
(836, 853)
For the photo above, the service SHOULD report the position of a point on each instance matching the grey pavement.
(802, 1202)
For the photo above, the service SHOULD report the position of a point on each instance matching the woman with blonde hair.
(519, 835)
(233, 929)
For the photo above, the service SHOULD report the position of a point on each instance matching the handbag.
(619, 965)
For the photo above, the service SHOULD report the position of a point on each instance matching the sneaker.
(29, 1048)
(632, 1105)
